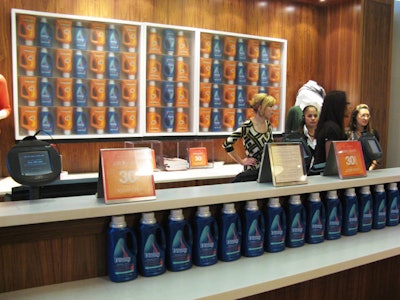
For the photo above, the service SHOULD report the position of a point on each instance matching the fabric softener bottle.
(205, 243)
(179, 242)
(333, 213)
(253, 230)
(350, 213)
(296, 222)
(230, 233)
(275, 226)
(315, 224)
(121, 251)
(379, 210)
(364, 209)
(151, 246)
(392, 205)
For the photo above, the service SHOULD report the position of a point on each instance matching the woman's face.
(311, 117)
(266, 113)
(363, 117)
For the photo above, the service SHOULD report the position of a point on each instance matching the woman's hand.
(249, 161)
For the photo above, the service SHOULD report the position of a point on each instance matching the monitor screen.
(373, 146)
(33, 163)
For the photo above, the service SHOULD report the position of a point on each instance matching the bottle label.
(255, 240)
(122, 259)
(207, 246)
(296, 230)
(276, 233)
(333, 226)
(317, 228)
(232, 244)
(179, 251)
(153, 261)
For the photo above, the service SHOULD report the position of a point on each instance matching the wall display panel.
(75, 77)
(170, 78)
(80, 77)
(232, 69)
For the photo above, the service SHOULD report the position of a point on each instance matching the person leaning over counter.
(255, 132)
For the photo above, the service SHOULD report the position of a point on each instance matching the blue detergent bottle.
(264, 53)
(113, 39)
(80, 36)
(379, 207)
(241, 51)
(81, 121)
(241, 77)
(216, 97)
(80, 65)
(253, 230)
(45, 63)
(205, 242)
(364, 209)
(333, 213)
(216, 120)
(296, 222)
(216, 72)
(113, 66)
(392, 204)
(263, 75)
(113, 93)
(350, 212)
(80, 93)
(315, 224)
(230, 233)
(275, 226)
(152, 246)
(179, 242)
(216, 47)
(47, 121)
(121, 251)
(113, 121)
(45, 34)
(46, 92)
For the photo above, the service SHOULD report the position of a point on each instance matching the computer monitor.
(371, 147)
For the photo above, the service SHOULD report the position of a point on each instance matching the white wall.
(393, 152)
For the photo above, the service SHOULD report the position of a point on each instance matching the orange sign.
(348, 158)
(198, 157)
(126, 174)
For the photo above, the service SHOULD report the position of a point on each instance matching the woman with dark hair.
(359, 125)
(331, 123)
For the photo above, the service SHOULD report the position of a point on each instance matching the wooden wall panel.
(376, 62)
(324, 44)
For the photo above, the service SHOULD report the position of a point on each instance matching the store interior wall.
(393, 157)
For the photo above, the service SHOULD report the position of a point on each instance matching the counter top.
(233, 280)
(217, 172)
(82, 207)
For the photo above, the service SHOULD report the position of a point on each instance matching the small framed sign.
(198, 157)
(287, 164)
(125, 175)
(346, 159)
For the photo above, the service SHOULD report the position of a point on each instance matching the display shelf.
(75, 208)
(264, 273)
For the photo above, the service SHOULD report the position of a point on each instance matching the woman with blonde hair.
(255, 132)
(359, 125)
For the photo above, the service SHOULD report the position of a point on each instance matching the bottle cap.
(274, 202)
(379, 188)
(332, 194)
(203, 211)
(176, 215)
(314, 197)
(148, 218)
(118, 222)
(350, 192)
(295, 199)
(229, 208)
(365, 190)
(251, 205)
(393, 186)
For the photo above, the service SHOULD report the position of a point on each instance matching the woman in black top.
(331, 123)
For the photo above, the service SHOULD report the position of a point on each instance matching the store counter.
(37, 232)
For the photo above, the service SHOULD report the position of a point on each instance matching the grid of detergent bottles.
(78, 77)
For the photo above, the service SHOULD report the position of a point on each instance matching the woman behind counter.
(360, 124)
(255, 132)
(331, 123)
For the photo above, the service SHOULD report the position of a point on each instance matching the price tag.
(126, 175)
(198, 157)
(346, 159)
